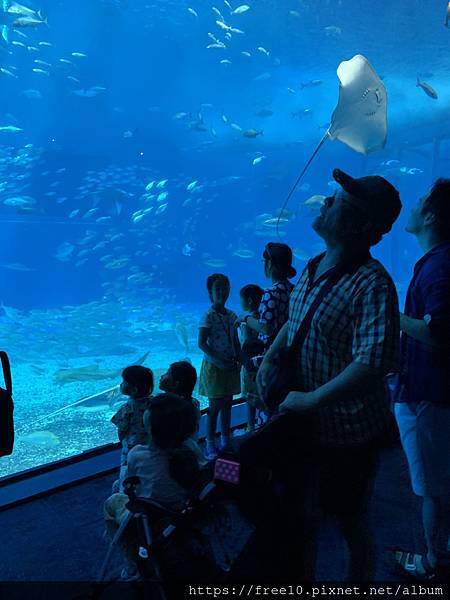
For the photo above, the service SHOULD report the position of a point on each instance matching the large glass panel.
(145, 144)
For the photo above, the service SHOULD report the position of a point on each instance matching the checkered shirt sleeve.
(376, 326)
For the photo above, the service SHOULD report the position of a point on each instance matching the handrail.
(64, 473)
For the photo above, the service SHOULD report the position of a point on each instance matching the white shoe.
(210, 451)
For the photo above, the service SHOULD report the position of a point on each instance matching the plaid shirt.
(358, 321)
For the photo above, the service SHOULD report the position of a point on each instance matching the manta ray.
(360, 117)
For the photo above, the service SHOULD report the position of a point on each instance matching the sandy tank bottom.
(41, 439)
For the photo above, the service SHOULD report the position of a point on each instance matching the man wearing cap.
(351, 345)
(422, 407)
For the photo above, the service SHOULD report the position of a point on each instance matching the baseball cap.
(281, 256)
(374, 195)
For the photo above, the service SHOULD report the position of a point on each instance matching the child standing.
(137, 383)
(219, 375)
(251, 296)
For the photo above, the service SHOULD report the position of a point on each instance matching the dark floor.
(60, 538)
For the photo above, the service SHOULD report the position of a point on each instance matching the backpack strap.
(305, 325)
(6, 371)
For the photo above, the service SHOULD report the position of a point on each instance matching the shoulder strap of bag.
(305, 325)
(6, 371)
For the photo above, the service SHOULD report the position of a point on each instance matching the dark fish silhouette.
(90, 373)
(429, 91)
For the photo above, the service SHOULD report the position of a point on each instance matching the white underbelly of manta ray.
(374, 96)
(360, 117)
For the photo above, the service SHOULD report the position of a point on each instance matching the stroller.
(199, 543)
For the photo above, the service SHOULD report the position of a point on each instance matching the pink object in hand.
(227, 470)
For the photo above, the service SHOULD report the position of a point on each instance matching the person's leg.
(426, 450)
(444, 534)
(361, 548)
(302, 514)
(350, 479)
(225, 420)
(115, 513)
(127, 543)
(304, 533)
(251, 416)
(432, 517)
(433, 440)
(211, 427)
(211, 422)
(111, 528)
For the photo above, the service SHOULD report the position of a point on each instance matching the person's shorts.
(425, 435)
(344, 478)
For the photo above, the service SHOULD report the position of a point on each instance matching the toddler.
(137, 383)
(181, 379)
(251, 296)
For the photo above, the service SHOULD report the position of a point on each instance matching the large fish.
(90, 373)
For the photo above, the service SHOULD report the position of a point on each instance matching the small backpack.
(6, 409)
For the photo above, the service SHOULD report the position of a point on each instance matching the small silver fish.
(429, 91)
(30, 22)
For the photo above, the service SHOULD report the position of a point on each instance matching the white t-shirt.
(151, 465)
(220, 332)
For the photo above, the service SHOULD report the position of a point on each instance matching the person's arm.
(257, 325)
(267, 365)
(129, 470)
(121, 421)
(375, 350)
(281, 341)
(216, 358)
(434, 328)
(355, 380)
(417, 329)
(237, 345)
(264, 324)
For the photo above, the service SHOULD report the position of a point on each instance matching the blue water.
(151, 102)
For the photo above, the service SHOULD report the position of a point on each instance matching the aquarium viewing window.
(147, 145)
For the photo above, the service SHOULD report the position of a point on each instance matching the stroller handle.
(6, 371)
